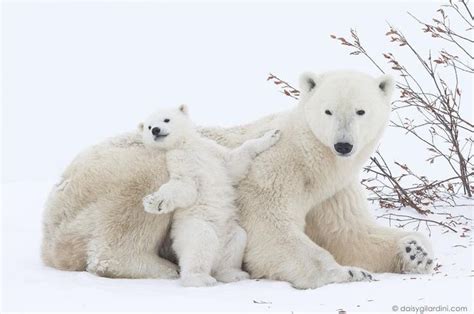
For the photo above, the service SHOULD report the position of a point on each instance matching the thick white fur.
(205, 233)
(301, 204)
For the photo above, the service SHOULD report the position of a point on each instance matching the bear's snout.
(155, 131)
(343, 148)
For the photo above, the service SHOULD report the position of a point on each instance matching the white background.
(75, 73)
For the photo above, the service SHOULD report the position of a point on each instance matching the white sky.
(75, 73)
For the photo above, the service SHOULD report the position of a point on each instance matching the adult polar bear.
(301, 204)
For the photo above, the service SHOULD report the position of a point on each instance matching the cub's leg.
(196, 244)
(239, 159)
(125, 241)
(343, 226)
(229, 265)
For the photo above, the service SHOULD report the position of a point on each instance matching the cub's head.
(346, 111)
(166, 128)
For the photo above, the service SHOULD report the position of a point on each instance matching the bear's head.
(165, 129)
(346, 111)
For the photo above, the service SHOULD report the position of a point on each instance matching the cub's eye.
(149, 127)
(329, 113)
(166, 120)
(360, 112)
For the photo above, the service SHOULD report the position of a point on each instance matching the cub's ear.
(141, 126)
(386, 84)
(308, 82)
(183, 109)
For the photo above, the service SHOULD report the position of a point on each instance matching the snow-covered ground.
(30, 286)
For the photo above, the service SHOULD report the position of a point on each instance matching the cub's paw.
(272, 136)
(158, 203)
(267, 140)
(197, 280)
(231, 275)
(415, 255)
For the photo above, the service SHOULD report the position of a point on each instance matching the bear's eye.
(329, 113)
(166, 120)
(360, 112)
(149, 127)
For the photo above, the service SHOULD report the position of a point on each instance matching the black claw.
(412, 242)
(419, 262)
(429, 261)
(370, 276)
(350, 273)
(364, 274)
(412, 257)
(408, 249)
(418, 248)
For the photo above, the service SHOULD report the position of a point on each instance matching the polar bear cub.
(206, 236)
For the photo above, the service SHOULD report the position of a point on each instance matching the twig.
(390, 215)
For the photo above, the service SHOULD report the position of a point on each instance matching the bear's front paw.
(357, 274)
(415, 254)
(157, 203)
(339, 274)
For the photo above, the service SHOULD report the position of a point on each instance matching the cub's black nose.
(343, 148)
(155, 131)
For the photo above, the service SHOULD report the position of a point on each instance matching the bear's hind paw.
(415, 255)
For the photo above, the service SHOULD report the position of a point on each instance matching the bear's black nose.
(155, 131)
(343, 148)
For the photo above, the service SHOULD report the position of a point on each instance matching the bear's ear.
(183, 109)
(141, 126)
(386, 84)
(308, 82)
